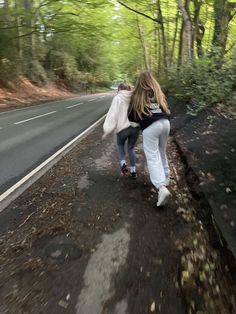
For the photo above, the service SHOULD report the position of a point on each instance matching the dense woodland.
(190, 45)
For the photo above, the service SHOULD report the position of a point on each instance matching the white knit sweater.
(117, 116)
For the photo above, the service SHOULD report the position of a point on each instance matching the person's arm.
(111, 118)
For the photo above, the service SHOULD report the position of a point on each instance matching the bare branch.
(69, 13)
(232, 15)
(27, 34)
(11, 27)
(43, 4)
(138, 12)
(231, 47)
(232, 5)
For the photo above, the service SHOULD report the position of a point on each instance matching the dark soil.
(207, 143)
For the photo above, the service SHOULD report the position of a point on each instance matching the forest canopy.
(190, 45)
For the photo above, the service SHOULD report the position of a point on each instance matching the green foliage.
(63, 66)
(85, 44)
(9, 72)
(9, 63)
(202, 84)
(36, 72)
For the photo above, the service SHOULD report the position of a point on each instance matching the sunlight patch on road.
(108, 258)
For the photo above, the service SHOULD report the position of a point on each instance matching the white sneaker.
(167, 181)
(163, 196)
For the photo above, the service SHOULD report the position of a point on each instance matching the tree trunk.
(186, 40)
(174, 38)
(222, 17)
(5, 4)
(197, 8)
(19, 34)
(143, 44)
(163, 36)
(29, 22)
(180, 53)
(199, 38)
(155, 38)
(159, 51)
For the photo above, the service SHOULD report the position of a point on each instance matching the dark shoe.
(124, 170)
(133, 175)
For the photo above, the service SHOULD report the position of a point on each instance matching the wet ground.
(85, 240)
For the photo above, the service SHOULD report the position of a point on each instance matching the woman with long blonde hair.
(148, 107)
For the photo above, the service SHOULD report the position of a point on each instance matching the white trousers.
(154, 144)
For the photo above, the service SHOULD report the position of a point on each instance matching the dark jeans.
(130, 134)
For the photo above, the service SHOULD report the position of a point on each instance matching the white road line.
(42, 115)
(39, 106)
(38, 171)
(102, 96)
(81, 103)
(92, 99)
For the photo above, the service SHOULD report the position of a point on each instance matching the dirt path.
(84, 240)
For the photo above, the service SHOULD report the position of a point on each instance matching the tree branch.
(138, 12)
(232, 15)
(231, 47)
(232, 5)
(26, 34)
(11, 27)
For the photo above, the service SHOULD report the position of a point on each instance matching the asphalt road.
(30, 135)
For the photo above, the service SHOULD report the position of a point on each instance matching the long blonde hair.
(145, 85)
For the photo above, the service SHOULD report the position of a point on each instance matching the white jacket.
(117, 116)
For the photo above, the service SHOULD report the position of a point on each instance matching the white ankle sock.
(122, 162)
(132, 169)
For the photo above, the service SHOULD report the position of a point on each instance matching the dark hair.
(124, 86)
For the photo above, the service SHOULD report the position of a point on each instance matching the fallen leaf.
(63, 304)
(185, 275)
(153, 306)
(180, 211)
(195, 242)
(207, 267)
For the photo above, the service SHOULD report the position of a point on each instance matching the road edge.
(193, 180)
(18, 188)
